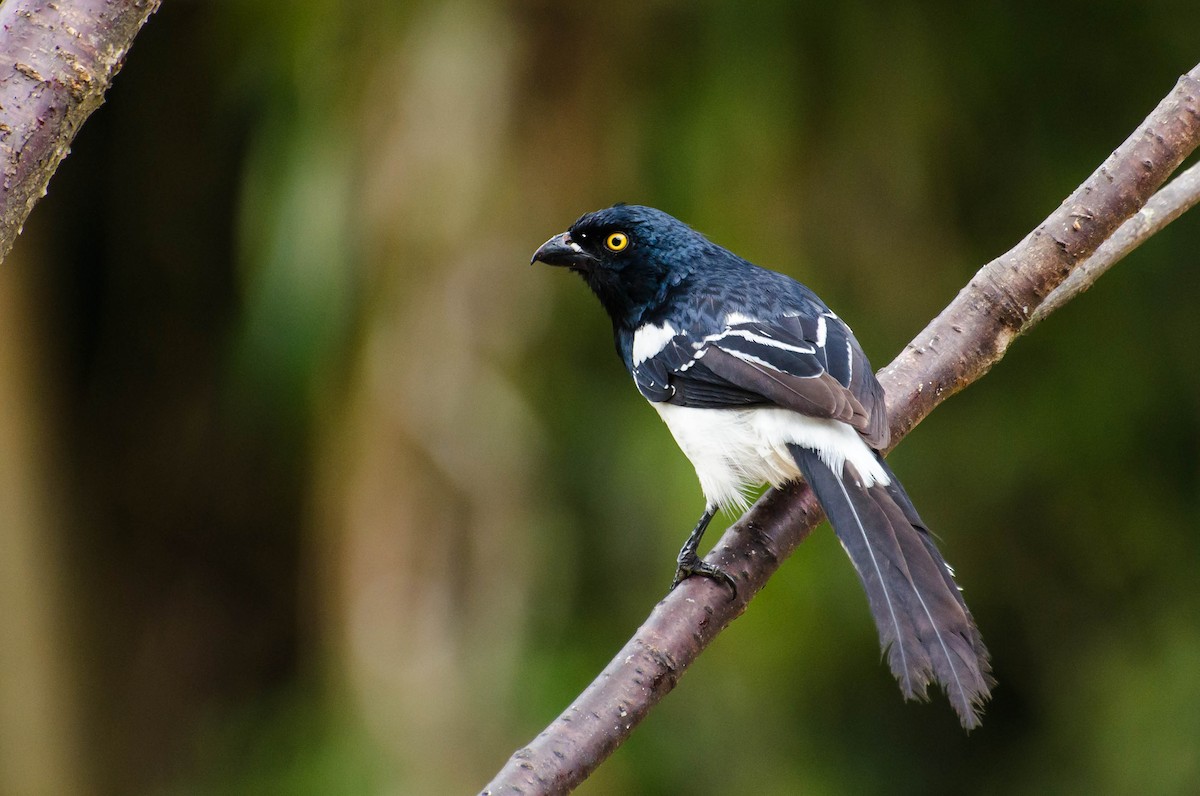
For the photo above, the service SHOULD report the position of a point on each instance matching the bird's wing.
(808, 362)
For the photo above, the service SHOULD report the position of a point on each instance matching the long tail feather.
(925, 628)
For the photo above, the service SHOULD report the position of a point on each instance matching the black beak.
(561, 250)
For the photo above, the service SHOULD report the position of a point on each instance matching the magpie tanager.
(760, 382)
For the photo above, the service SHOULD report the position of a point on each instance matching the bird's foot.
(691, 564)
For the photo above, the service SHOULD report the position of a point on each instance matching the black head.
(629, 255)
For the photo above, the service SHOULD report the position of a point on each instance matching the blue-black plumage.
(760, 382)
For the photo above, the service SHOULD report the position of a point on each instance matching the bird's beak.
(561, 250)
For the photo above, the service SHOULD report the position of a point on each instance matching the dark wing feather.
(817, 395)
(846, 362)
(809, 363)
(654, 376)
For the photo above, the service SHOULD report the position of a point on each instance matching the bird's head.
(629, 255)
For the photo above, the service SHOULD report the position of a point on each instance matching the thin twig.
(954, 350)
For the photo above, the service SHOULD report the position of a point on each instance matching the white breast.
(736, 449)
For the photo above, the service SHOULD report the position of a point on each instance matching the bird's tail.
(924, 625)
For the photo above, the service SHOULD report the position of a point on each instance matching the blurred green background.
(309, 484)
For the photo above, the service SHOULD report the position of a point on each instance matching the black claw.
(691, 564)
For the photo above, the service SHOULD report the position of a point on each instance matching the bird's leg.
(689, 563)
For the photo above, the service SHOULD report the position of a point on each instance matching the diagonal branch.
(56, 61)
(954, 350)
(1175, 199)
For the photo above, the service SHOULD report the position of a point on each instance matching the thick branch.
(1180, 195)
(56, 61)
(954, 350)
(975, 330)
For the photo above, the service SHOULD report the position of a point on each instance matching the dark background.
(309, 484)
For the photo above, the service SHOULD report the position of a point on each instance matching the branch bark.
(57, 58)
(954, 350)
(1179, 196)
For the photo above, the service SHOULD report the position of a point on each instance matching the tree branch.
(954, 350)
(56, 61)
(1180, 195)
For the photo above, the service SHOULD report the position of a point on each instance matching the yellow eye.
(616, 241)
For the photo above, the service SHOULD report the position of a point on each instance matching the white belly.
(737, 449)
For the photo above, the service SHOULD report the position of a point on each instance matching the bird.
(760, 382)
